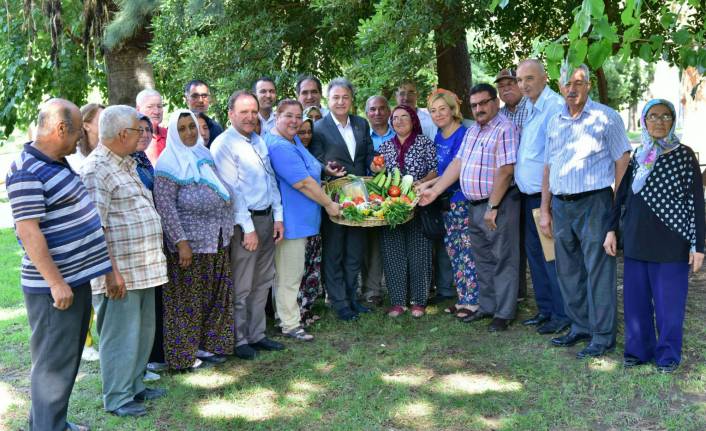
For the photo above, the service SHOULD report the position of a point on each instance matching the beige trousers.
(290, 267)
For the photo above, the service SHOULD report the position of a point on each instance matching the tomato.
(379, 160)
(394, 191)
(406, 200)
(347, 204)
(375, 197)
(358, 200)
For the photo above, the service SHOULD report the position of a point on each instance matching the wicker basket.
(369, 222)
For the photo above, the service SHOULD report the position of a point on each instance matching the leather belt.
(264, 212)
(478, 202)
(578, 196)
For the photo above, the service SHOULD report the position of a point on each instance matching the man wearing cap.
(515, 109)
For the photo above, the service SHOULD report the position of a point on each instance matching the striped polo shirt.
(581, 152)
(45, 189)
(484, 149)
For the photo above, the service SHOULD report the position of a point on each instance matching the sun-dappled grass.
(433, 373)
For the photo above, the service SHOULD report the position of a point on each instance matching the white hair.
(115, 119)
(377, 96)
(567, 71)
(147, 92)
(341, 82)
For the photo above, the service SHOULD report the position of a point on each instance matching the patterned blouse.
(195, 213)
(419, 160)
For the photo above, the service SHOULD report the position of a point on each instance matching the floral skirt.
(310, 288)
(458, 246)
(198, 308)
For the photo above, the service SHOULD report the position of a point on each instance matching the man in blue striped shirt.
(586, 150)
(60, 230)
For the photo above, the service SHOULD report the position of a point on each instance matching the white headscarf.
(188, 165)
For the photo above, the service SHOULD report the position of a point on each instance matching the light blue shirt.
(529, 168)
(293, 163)
(378, 140)
(581, 152)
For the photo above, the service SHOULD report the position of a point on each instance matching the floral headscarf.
(649, 151)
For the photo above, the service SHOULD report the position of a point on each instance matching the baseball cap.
(506, 73)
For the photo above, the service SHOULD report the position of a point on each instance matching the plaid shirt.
(519, 116)
(484, 149)
(132, 226)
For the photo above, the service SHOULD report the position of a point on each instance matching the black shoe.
(632, 362)
(346, 314)
(267, 344)
(245, 352)
(476, 315)
(359, 308)
(570, 339)
(595, 350)
(538, 319)
(131, 408)
(438, 299)
(667, 369)
(554, 327)
(498, 325)
(214, 359)
(375, 300)
(150, 394)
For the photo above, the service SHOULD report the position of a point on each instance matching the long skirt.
(198, 308)
(310, 288)
(458, 246)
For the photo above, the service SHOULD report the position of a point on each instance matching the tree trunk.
(453, 67)
(693, 102)
(602, 86)
(127, 69)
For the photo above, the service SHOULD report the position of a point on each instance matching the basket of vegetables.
(387, 199)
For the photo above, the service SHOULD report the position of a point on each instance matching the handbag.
(432, 220)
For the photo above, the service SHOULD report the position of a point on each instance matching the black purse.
(432, 219)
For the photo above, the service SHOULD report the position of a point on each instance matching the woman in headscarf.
(197, 215)
(299, 180)
(445, 109)
(313, 113)
(145, 170)
(663, 238)
(406, 252)
(310, 288)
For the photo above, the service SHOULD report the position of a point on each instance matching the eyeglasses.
(665, 118)
(141, 130)
(197, 96)
(481, 103)
(406, 93)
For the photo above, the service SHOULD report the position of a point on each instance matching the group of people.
(175, 236)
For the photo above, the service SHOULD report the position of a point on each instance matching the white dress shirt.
(266, 125)
(428, 127)
(347, 134)
(244, 165)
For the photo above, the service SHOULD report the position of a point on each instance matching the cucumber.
(396, 177)
(381, 181)
(411, 195)
(388, 182)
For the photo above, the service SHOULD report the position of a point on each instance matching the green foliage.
(130, 18)
(628, 82)
(28, 76)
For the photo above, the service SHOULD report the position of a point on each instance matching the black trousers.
(56, 345)
(342, 258)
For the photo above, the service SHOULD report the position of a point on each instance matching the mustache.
(572, 94)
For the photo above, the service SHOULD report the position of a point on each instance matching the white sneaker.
(150, 377)
(156, 366)
(90, 354)
(203, 354)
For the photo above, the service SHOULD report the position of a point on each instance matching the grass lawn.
(430, 374)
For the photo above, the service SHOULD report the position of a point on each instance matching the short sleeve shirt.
(484, 149)
(132, 226)
(41, 188)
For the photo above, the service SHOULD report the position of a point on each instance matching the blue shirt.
(529, 168)
(581, 152)
(45, 189)
(446, 151)
(293, 163)
(378, 140)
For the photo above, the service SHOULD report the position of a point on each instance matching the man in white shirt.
(243, 162)
(266, 94)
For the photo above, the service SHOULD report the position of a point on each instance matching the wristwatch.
(492, 207)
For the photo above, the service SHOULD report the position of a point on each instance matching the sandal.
(418, 310)
(452, 309)
(70, 426)
(396, 310)
(298, 334)
(462, 313)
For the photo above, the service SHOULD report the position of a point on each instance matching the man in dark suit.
(342, 141)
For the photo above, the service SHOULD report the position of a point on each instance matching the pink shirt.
(159, 142)
(484, 149)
